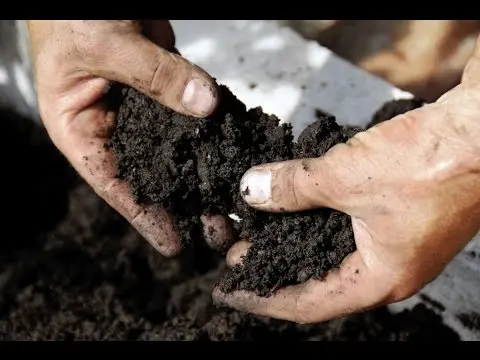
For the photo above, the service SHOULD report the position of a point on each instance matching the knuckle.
(341, 177)
(88, 42)
(165, 73)
(92, 38)
(293, 184)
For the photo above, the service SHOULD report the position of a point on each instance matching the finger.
(151, 221)
(350, 289)
(295, 185)
(84, 146)
(237, 252)
(217, 232)
(132, 59)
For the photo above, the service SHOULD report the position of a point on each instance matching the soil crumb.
(89, 275)
(470, 320)
(432, 302)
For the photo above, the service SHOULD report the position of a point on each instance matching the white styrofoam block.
(271, 66)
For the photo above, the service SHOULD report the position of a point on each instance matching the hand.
(411, 187)
(74, 62)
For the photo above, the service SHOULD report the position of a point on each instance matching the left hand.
(74, 62)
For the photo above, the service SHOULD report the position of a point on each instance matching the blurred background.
(425, 57)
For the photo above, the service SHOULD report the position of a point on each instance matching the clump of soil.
(90, 276)
(470, 320)
(193, 167)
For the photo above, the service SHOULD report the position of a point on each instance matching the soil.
(79, 271)
(432, 302)
(395, 107)
(194, 167)
(470, 320)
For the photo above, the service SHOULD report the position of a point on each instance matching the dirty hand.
(411, 186)
(74, 63)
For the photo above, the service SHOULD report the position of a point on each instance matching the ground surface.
(71, 268)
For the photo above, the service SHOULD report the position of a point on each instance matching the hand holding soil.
(75, 63)
(410, 186)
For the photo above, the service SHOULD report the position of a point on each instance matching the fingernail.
(199, 97)
(255, 186)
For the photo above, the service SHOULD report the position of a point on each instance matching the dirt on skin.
(79, 271)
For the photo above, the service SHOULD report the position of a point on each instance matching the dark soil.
(395, 107)
(432, 302)
(193, 167)
(72, 268)
(470, 320)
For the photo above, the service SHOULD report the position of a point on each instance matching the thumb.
(299, 185)
(170, 79)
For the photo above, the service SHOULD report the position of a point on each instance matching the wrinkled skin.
(74, 62)
(411, 185)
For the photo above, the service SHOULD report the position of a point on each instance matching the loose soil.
(395, 107)
(470, 320)
(193, 167)
(71, 268)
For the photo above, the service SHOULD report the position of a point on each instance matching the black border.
(251, 350)
(248, 9)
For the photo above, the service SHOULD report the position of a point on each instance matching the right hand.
(74, 61)
(411, 186)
